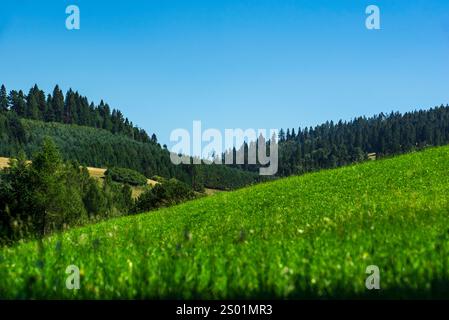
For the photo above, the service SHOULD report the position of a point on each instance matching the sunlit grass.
(309, 236)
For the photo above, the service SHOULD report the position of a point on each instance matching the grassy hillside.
(307, 236)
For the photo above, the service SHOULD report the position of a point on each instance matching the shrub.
(127, 176)
(158, 178)
(167, 193)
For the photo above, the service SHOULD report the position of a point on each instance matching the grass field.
(311, 236)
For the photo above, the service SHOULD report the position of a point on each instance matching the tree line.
(301, 150)
(25, 119)
(71, 108)
(331, 145)
(101, 148)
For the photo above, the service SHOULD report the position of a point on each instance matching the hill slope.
(307, 236)
(100, 148)
(98, 173)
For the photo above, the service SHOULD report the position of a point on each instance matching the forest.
(95, 136)
(71, 108)
(332, 145)
(98, 136)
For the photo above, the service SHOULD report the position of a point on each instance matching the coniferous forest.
(96, 136)
(113, 140)
(332, 145)
(71, 108)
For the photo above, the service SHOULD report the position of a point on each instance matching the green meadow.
(310, 236)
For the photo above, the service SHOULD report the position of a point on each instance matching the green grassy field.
(303, 237)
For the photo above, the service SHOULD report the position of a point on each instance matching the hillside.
(99, 173)
(101, 136)
(335, 144)
(306, 236)
(100, 148)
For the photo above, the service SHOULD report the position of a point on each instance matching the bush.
(158, 178)
(167, 193)
(127, 176)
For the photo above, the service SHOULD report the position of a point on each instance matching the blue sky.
(232, 64)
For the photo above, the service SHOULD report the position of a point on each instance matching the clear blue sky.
(234, 63)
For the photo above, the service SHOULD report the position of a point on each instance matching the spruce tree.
(3, 99)
(32, 107)
(17, 102)
(49, 115)
(57, 104)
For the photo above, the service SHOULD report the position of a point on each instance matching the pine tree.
(69, 107)
(3, 99)
(57, 104)
(94, 199)
(281, 135)
(17, 102)
(42, 103)
(154, 138)
(32, 107)
(49, 115)
(56, 201)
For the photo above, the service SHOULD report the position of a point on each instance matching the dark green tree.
(3, 99)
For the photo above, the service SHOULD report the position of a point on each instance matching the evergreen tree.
(17, 102)
(32, 106)
(293, 135)
(42, 102)
(69, 107)
(49, 114)
(94, 200)
(3, 99)
(57, 105)
(154, 138)
(281, 135)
